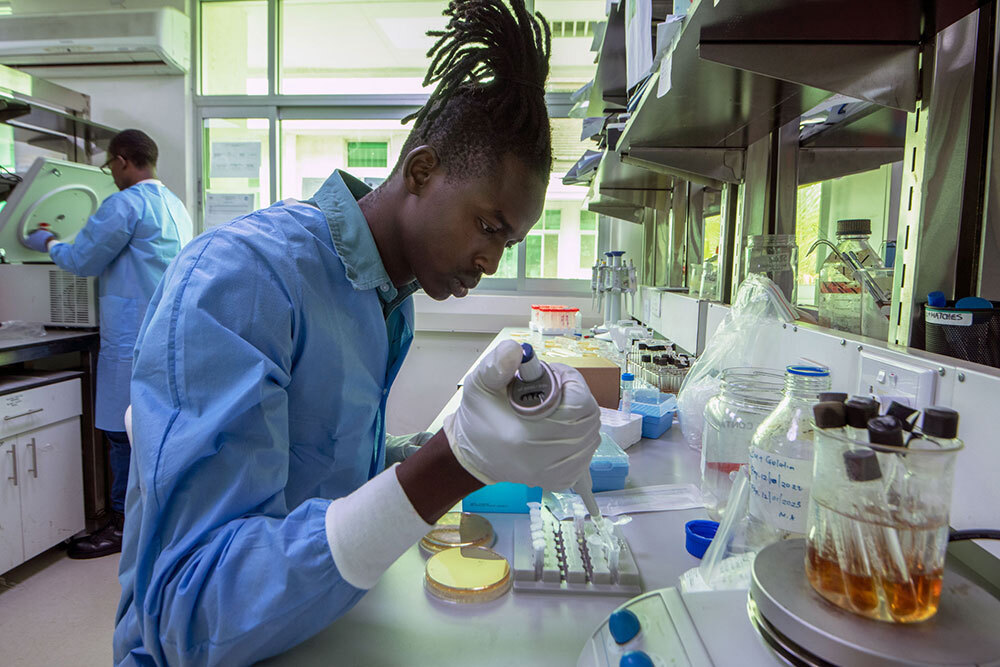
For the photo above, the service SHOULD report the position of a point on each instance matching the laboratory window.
(233, 43)
(352, 47)
(236, 168)
(312, 149)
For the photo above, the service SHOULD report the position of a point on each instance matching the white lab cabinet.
(41, 473)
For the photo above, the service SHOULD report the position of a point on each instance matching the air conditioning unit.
(91, 44)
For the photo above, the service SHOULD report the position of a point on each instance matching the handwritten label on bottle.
(779, 489)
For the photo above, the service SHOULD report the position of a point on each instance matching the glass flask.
(775, 256)
(781, 460)
(840, 291)
(878, 524)
(747, 397)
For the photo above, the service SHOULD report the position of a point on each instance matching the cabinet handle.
(13, 455)
(34, 459)
(23, 414)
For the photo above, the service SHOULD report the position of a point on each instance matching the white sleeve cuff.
(372, 527)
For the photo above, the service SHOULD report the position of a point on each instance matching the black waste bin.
(972, 334)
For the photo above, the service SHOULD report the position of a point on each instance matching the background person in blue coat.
(260, 508)
(128, 244)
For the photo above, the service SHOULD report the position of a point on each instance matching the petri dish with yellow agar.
(458, 529)
(467, 574)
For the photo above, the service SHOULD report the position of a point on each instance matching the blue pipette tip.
(527, 353)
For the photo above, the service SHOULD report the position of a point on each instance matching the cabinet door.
(52, 488)
(11, 544)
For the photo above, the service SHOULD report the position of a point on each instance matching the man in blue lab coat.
(128, 244)
(260, 505)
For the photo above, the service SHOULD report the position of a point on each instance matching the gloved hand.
(399, 447)
(38, 240)
(494, 444)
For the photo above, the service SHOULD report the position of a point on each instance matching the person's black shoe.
(103, 542)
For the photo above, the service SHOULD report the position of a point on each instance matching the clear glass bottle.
(709, 289)
(747, 397)
(781, 460)
(775, 256)
(840, 292)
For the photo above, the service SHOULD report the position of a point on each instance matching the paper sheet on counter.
(657, 498)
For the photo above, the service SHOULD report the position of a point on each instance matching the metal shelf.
(742, 68)
(632, 184)
(608, 93)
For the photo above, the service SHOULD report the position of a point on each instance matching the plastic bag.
(758, 302)
(728, 561)
(14, 329)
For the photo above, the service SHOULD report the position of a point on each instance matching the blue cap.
(936, 300)
(811, 371)
(616, 253)
(973, 303)
(623, 625)
(527, 352)
(635, 659)
(627, 377)
(699, 534)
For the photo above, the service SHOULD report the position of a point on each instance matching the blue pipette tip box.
(502, 497)
(699, 534)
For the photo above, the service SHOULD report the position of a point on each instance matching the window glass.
(312, 149)
(236, 168)
(234, 48)
(367, 154)
(347, 47)
(563, 244)
(807, 224)
(351, 47)
(573, 24)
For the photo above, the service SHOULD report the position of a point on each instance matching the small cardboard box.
(602, 376)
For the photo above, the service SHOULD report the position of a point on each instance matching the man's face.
(456, 229)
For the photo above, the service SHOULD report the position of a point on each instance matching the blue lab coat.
(258, 395)
(128, 244)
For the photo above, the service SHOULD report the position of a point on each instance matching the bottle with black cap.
(941, 424)
(840, 292)
(885, 430)
(904, 413)
(859, 410)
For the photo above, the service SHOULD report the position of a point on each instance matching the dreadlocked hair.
(490, 65)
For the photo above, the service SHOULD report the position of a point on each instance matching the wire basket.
(972, 334)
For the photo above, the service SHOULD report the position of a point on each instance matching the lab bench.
(398, 623)
(70, 350)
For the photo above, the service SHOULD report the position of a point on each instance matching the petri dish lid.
(458, 529)
(467, 574)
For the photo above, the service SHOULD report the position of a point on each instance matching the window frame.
(275, 107)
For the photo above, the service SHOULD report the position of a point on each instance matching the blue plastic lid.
(627, 377)
(527, 352)
(811, 371)
(699, 534)
(623, 625)
(616, 253)
(973, 303)
(936, 300)
(635, 659)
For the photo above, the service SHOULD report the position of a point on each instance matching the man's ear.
(418, 167)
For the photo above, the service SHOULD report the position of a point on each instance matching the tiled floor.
(55, 611)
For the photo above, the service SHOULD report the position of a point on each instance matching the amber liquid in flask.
(879, 569)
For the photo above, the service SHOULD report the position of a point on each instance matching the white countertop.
(398, 623)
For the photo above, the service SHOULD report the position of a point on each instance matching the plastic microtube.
(613, 555)
(596, 546)
(579, 513)
(538, 544)
(534, 507)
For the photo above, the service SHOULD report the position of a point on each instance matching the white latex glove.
(494, 444)
(399, 447)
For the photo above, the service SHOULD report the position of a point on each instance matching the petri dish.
(458, 529)
(467, 574)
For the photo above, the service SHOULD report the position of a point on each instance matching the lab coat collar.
(154, 181)
(338, 199)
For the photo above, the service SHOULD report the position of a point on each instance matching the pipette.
(534, 393)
